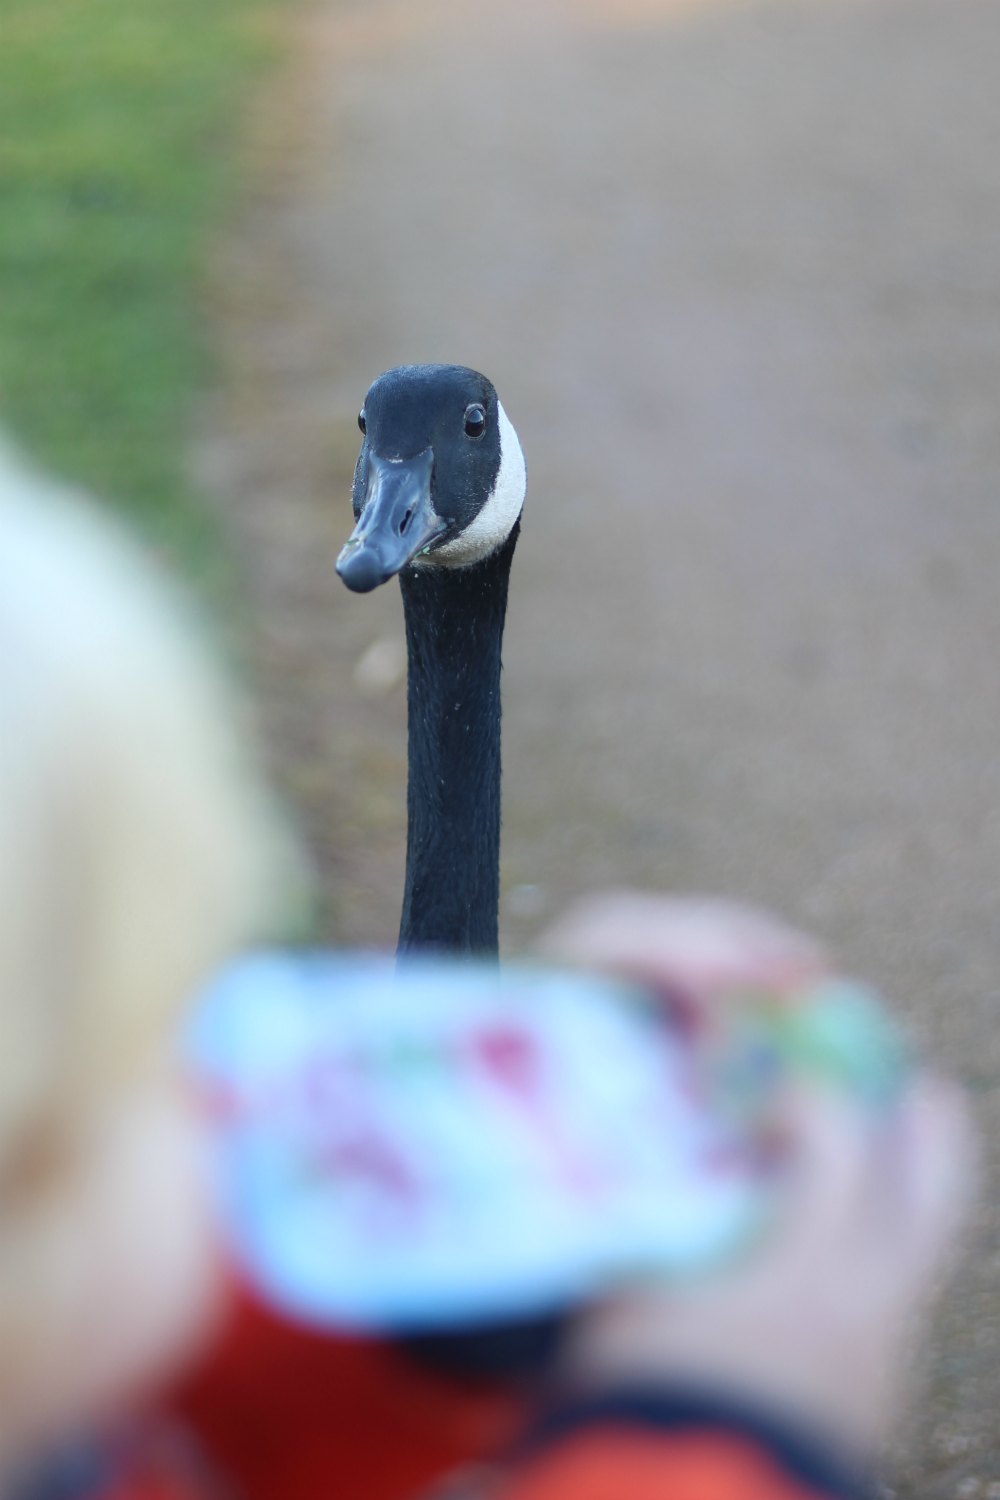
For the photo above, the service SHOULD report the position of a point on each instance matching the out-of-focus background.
(734, 266)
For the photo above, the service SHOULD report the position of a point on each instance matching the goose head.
(440, 479)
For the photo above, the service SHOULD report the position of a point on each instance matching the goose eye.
(475, 420)
(361, 420)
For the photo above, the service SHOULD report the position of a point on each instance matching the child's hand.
(693, 949)
(815, 1322)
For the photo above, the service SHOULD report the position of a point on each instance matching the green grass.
(119, 121)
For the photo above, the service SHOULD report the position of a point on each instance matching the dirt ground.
(734, 269)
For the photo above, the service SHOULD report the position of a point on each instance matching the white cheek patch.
(488, 531)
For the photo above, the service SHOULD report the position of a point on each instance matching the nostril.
(405, 522)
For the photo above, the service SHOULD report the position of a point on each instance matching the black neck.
(454, 632)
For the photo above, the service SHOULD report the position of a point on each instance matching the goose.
(438, 492)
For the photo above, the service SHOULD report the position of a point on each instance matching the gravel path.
(735, 271)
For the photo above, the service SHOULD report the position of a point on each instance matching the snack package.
(427, 1148)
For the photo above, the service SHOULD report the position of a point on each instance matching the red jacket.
(279, 1412)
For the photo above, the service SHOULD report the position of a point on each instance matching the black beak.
(397, 521)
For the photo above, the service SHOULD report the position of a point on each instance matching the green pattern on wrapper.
(837, 1034)
(842, 1035)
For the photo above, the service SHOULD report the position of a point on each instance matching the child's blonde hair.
(134, 844)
